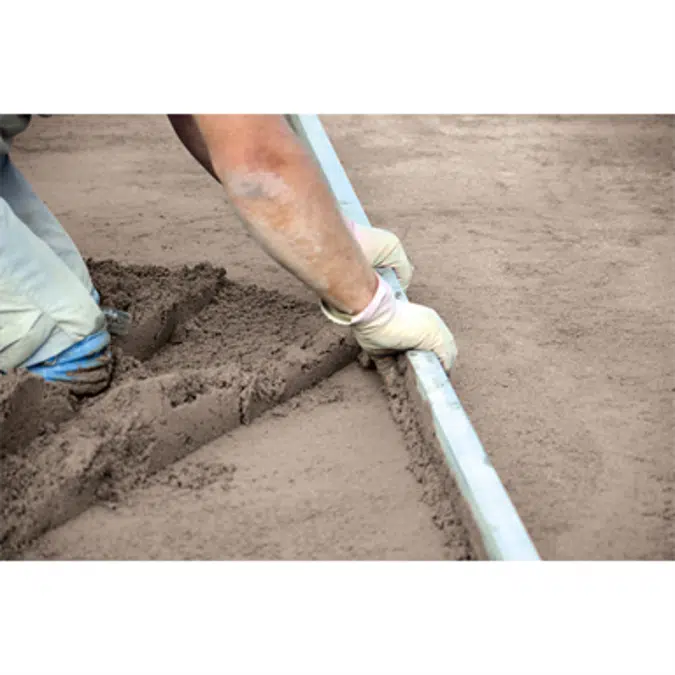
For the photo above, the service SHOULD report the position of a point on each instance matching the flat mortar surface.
(547, 244)
(298, 483)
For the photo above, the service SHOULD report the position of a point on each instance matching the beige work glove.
(389, 325)
(383, 249)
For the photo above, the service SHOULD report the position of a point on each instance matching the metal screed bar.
(501, 530)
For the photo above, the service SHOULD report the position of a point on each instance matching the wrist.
(366, 294)
(380, 304)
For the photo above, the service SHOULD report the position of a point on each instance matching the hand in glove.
(86, 366)
(389, 325)
(383, 249)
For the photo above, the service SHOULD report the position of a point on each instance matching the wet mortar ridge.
(183, 377)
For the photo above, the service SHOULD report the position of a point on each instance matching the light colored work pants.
(46, 304)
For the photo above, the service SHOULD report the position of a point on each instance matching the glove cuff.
(381, 303)
(352, 226)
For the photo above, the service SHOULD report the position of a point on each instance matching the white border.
(581, 56)
(336, 618)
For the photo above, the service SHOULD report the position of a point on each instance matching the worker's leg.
(45, 309)
(31, 211)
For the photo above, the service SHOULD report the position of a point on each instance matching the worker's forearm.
(283, 198)
(188, 132)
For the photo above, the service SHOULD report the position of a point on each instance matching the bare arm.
(283, 199)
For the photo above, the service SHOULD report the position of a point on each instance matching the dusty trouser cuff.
(44, 307)
(35, 215)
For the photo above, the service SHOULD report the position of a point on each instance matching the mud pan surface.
(204, 357)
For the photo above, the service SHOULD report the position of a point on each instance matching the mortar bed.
(204, 355)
